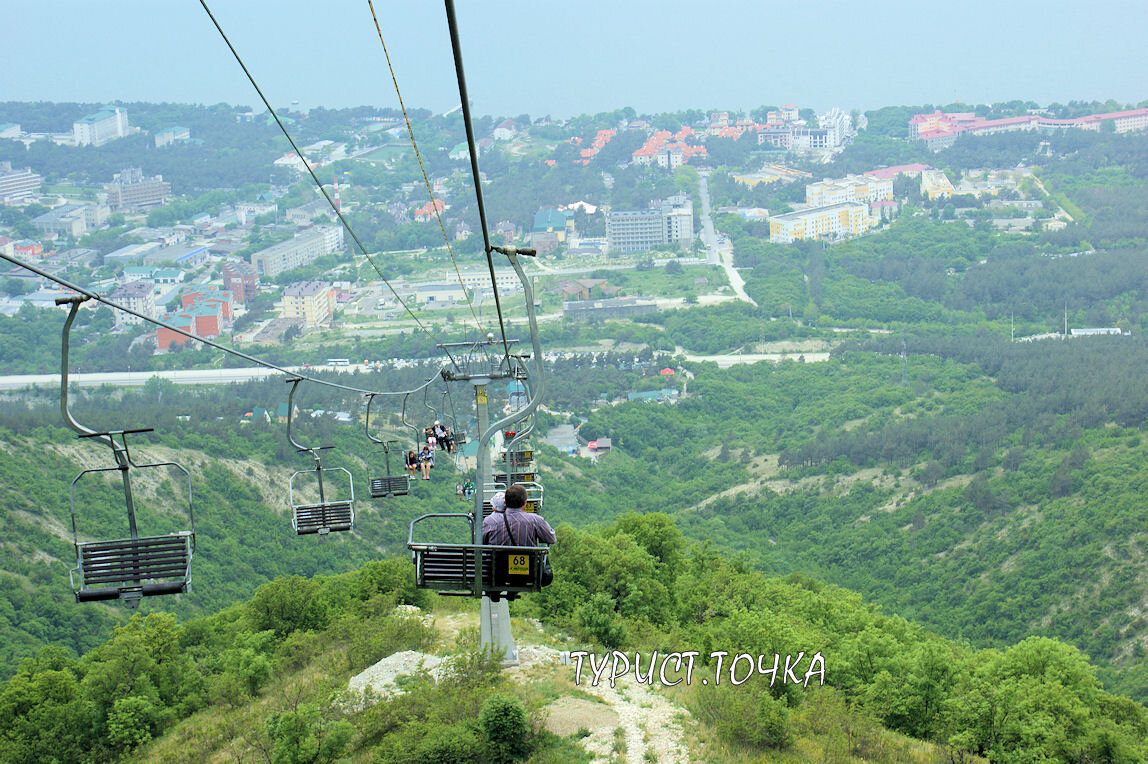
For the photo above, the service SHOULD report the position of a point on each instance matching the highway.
(138, 378)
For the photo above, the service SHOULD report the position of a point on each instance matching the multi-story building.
(18, 185)
(130, 191)
(203, 319)
(73, 220)
(833, 221)
(170, 135)
(305, 248)
(138, 296)
(312, 301)
(209, 293)
(241, 279)
(851, 188)
(100, 128)
(669, 222)
(838, 127)
(936, 185)
(551, 228)
(940, 129)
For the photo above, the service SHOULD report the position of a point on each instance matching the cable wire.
(426, 180)
(232, 351)
(460, 75)
(311, 172)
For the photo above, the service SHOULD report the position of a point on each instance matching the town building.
(27, 248)
(185, 255)
(73, 220)
(670, 221)
(940, 129)
(203, 319)
(205, 295)
(311, 301)
(428, 211)
(504, 130)
(305, 213)
(440, 294)
(831, 222)
(18, 186)
(135, 295)
(936, 185)
(908, 170)
(130, 191)
(551, 229)
(241, 279)
(100, 128)
(851, 188)
(618, 307)
(170, 135)
(305, 248)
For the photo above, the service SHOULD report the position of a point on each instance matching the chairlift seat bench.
(133, 568)
(449, 568)
(323, 518)
(394, 485)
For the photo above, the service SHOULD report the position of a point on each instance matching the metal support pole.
(494, 617)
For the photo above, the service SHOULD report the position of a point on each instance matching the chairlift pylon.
(325, 516)
(477, 569)
(134, 567)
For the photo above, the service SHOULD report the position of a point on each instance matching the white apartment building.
(305, 248)
(135, 295)
(18, 185)
(100, 128)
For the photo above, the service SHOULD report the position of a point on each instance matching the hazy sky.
(541, 57)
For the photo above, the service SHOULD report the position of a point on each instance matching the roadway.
(719, 251)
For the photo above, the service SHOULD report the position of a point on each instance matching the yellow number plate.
(480, 396)
(518, 565)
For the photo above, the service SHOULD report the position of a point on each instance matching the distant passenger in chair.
(508, 525)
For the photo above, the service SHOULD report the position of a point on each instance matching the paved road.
(719, 251)
(138, 378)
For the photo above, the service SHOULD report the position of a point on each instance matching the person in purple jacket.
(509, 525)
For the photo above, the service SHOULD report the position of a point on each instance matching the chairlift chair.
(134, 567)
(389, 484)
(449, 569)
(324, 516)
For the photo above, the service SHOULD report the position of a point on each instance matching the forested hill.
(267, 678)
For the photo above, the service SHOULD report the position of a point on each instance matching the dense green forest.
(978, 498)
(275, 667)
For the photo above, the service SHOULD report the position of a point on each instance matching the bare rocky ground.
(625, 723)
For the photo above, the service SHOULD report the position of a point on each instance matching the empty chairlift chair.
(324, 516)
(388, 484)
(135, 566)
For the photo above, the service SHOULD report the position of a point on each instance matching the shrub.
(503, 720)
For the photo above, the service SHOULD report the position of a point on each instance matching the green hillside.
(268, 677)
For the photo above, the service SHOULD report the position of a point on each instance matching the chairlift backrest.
(136, 566)
(324, 516)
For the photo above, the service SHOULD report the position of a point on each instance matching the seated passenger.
(509, 525)
(411, 462)
(442, 435)
(426, 462)
(432, 441)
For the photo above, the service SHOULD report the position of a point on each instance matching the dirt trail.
(629, 722)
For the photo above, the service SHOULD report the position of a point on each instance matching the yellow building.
(312, 301)
(852, 188)
(830, 222)
(935, 185)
